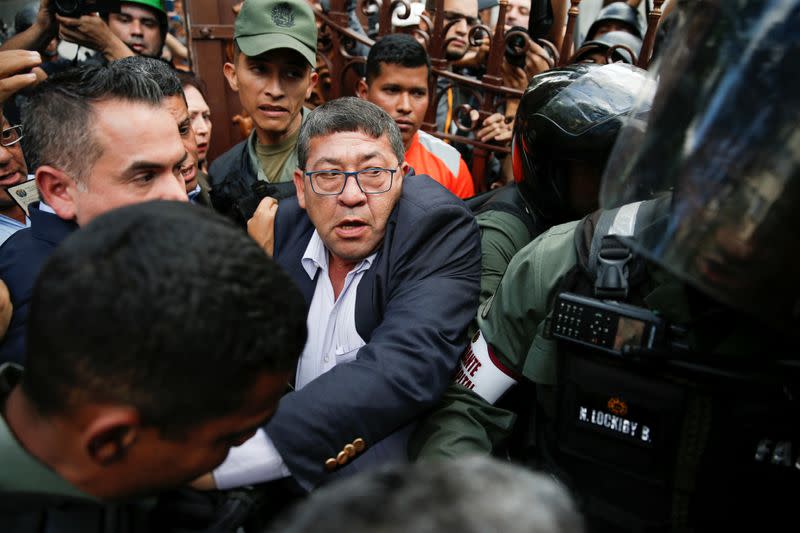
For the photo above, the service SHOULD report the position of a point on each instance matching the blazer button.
(350, 450)
(331, 464)
(342, 458)
(359, 445)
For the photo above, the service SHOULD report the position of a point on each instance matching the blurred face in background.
(138, 27)
(463, 15)
(518, 13)
(200, 117)
(403, 93)
(177, 107)
(13, 169)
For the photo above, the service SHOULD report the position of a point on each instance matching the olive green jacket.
(512, 322)
(502, 236)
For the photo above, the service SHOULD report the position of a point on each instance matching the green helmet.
(158, 5)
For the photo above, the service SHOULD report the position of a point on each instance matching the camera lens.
(515, 46)
(68, 8)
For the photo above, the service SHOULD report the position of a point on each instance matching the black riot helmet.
(622, 45)
(566, 124)
(618, 15)
(722, 145)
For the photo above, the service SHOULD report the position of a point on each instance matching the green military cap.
(264, 25)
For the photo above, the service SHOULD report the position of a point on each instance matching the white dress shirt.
(332, 340)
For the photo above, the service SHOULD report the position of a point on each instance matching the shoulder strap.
(508, 200)
(604, 257)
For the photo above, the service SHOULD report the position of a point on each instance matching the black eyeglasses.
(451, 16)
(11, 136)
(370, 180)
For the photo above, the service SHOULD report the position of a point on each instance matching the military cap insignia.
(283, 15)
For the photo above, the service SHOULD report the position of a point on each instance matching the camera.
(236, 198)
(539, 23)
(516, 46)
(77, 8)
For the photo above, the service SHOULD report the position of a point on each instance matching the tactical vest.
(664, 442)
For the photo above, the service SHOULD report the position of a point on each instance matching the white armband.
(481, 372)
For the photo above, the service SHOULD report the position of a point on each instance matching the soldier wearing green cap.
(275, 44)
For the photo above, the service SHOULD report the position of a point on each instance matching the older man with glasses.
(16, 73)
(389, 264)
(13, 171)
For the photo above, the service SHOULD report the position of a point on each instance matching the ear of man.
(229, 70)
(300, 187)
(313, 79)
(362, 89)
(57, 190)
(111, 434)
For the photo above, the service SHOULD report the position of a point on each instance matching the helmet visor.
(723, 141)
(600, 95)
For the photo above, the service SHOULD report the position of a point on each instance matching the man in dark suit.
(98, 139)
(390, 267)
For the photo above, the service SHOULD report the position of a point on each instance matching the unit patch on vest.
(613, 418)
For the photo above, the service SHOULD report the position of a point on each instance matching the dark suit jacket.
(21, 258)
(412, 308)
(203, 198)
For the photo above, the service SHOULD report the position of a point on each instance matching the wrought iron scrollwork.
(339, 58)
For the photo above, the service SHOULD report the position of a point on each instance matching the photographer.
(139, 28)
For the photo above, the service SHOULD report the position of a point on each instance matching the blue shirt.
(9, 226)
(194, 194)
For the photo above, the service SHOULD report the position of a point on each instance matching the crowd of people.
(325, 328)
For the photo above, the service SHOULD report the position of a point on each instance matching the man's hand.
(537, 60)
(46, 18)
(475, 56)
(495, 128)
(262, 226)
(92, 32)
(513, 77)
(16, 71)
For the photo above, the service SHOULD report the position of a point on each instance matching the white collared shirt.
(332, 340)
(332, 335)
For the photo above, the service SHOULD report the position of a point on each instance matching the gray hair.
(60, 114)
(468, 494)
(160, 71)
(348, 114)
